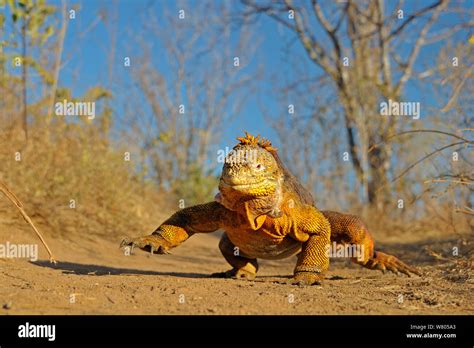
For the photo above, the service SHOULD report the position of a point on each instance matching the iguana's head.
(251, 174)
(250, 169)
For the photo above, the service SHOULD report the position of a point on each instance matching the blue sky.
(88, 61)
(91, 59)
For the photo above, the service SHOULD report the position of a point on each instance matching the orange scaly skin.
(266, 213)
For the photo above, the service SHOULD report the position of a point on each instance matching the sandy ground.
(95, 277)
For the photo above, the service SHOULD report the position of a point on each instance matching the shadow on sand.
(98, 270)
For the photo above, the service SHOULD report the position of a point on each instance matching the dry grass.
(76, 164)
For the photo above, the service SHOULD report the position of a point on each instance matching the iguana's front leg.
(313, 260)
(202, 218)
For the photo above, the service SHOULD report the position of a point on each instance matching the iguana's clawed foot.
(385, 262)
(153, 243)
(235, 274)
(307, 278)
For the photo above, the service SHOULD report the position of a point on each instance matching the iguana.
(266, 213)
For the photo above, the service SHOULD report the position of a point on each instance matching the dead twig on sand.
(11, 196)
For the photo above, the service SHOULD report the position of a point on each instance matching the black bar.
(242, 330)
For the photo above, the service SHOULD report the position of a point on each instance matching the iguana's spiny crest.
(252, 140)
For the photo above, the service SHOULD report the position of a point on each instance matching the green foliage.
(96, 93)
(34, 14)
(33, 18)
(46, 75)
(196, 187)
(164, 137)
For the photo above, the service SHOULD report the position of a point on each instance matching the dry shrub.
(438, 220)
(73, 161)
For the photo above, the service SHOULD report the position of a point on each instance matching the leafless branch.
(11, 196)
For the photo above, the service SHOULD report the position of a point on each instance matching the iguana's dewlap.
(267, 242)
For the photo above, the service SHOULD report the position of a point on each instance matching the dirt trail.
(95, 277)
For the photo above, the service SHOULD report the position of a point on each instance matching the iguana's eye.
(259, 167)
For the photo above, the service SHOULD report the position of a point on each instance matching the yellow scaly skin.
(266, 213)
